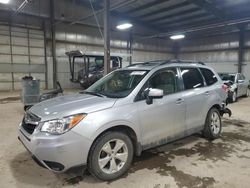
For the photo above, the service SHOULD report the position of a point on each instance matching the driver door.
(164, 119)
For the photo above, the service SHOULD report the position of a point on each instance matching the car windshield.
(227, 77)
(118, 84)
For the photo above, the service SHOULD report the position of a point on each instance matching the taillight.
(224, 87)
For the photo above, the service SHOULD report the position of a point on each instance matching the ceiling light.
(124, 26)
(177, 37)
(4, 1)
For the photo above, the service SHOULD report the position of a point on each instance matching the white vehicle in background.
(237, 83)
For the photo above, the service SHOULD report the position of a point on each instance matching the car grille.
(28, 127)
(29, 123)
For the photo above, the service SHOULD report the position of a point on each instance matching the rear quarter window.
(209, 76)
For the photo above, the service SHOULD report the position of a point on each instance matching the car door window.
(209, 76)
(192, 78)
(241, 77)
(165, 80)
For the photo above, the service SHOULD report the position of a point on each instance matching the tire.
(103, 155)
(212, 128)
(233, 98)
(247, 92)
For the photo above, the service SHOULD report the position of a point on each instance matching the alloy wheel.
(215, 123)
(113, 156)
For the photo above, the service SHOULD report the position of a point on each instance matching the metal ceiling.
(161, 16)
(177, 15)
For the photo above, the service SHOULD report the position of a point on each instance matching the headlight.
(60, 126)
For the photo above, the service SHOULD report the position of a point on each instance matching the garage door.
(21, 53)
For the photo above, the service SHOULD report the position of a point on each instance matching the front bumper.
(57, 153)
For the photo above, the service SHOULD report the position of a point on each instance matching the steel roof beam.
(165, 9)
(160, 19)
(188, 18)
(210, 8)
(124, 16)
(146, 6)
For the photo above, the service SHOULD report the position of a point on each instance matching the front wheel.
(213, 125)
(110, 156)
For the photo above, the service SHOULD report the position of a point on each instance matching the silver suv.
(129, 110)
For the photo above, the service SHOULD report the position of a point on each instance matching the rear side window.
(192, 78)
(209, 76)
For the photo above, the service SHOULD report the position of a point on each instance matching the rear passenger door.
(194, 94)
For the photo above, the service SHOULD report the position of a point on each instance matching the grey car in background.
(129, 110)
(237, 83)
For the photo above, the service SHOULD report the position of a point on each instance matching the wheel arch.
(128, 131)
(219, 108)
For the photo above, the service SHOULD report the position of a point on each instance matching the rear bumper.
(57, 153)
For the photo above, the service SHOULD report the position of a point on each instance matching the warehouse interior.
(36, 34)
(216, 33)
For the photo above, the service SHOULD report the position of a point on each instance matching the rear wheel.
(247, 92)
(110, 156)
(213, 124)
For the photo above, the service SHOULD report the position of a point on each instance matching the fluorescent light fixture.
(177, 37)
(124, 26)
(4, 1)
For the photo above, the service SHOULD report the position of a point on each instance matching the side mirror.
(153, 93)
(240, 81)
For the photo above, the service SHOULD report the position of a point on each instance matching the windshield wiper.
(92, 93)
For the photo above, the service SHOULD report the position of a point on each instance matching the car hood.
(69, 105)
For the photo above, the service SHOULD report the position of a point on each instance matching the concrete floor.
(191, 162)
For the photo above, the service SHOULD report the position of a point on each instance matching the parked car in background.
(125, 112)
(237, 83)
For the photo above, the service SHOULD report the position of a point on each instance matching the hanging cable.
(96, 19)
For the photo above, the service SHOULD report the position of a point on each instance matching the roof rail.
(164, 62)
(181, 61)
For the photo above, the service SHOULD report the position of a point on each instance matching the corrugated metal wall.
(21, 53)
(220, 52)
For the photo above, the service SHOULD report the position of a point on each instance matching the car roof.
(164, 63)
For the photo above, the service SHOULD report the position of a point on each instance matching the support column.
(45, 55)
(53, 41)
(176, 49)
(241, 47)
(106, 37)
(129, 46)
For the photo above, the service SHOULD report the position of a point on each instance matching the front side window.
(209, 76)
(118, 84)
(165, 80)
(192, 78)
(241, 77)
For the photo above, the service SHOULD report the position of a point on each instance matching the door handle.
(179, 101)
(207, 93)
